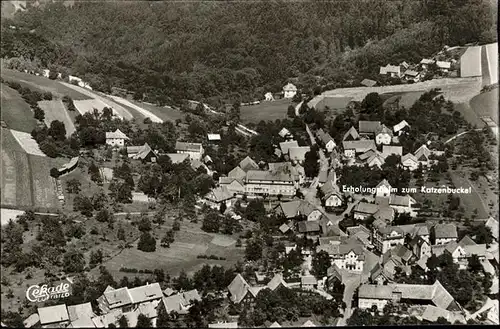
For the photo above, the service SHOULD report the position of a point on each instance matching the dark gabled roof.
(308, 226)
(367, 127)
(445, 231)
(190, 147)
(351, 133)
(248, 164)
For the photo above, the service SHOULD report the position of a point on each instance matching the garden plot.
(44, 186)
(120, 111)
(55, 110)
(29, 145)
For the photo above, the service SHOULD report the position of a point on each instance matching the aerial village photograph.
(249, 164)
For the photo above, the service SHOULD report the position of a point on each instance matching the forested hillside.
(198, 50)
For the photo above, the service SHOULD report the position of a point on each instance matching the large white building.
(194, 150)
(260, 183)
(116, 138)
(289, 90)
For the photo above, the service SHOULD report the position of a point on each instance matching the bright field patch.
(55, 110)
(164, 113)
(44, 186)
(266, 110)
(16, 112)
(42, 84)
(486, 104)
(15, 173)
(8, 214)
(29, 145)
(119, 110)
(139, 109)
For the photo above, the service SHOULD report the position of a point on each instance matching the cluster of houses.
(289, 91)
(112, 305)
(414, 72)
(361, 146)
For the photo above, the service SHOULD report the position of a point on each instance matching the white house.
(444, 233)
(331, 194)
(425, 62)
(194, 150)
(351, 148)
(218, 196)
(289, 90)
(443, 66)
(403, 204)
(327, 140)
(349, 257)
(383, 135)
(383, 189)
(375, 159)
(391, 70)
(400, 127)
(260, 182)
(412, 75)
(116, 138)
(409, 161)
(269, 96)
(46, 73)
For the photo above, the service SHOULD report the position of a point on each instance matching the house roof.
(78, 311)
(53, 314)
(383, 129)
(368, 126)
(213, 137)
(308, 279)
(372, 291)
(177, 157)
(329, 189)
(168, 291)
(284, 132)
(324, 136)
(367, 208)
(118, 297)
(298, 153)
(289, 87)
(367, 155)
(145, 293)
(286, 167)
(248, 164)
(384, 183)
(103, 321)
(375, 159)
(443, 64)
(238, 288)
(149, 309)
(308, 226)
(492, 223)
(404, 64)
(174, 303)
(219, 194)
(117, 134)
(276, 281)
(390, 69)
(188, 147)
(262, 175)
(30, 321)
(475, 249)
(352, 132)
(360, 229)
(385, 213)
(445, 231)
(275, 325)
(223, 325)
(432, 313)
(229, 180)
(408, 157)
(308, 323)
(466, 240)
(143, 151)
(237, 172)
(426, 61)
(391, 149)
(360, 146)
(285, 146)
(422, 151)
(401, 200)
(411, 73)
(368, 82)
(284, 228)
(400, 126)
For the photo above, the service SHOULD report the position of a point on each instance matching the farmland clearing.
(119, 110)
(165, 113)
(44, 186)
(55, 110)
(266, 110)
(457, 90)
(29, 145)
(42, 84)
(16, 113)
(140, 109)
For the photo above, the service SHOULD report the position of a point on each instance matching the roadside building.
(260, 183)
(194, 150)
(327, 141)
(383, 135)
(218, 196)
(116, 138)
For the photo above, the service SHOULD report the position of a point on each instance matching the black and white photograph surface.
(249, 164)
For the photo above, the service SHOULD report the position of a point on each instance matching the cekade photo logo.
(37, 294)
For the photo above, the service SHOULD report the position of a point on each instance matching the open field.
(117, 109)
(88, 105)
(7, 214)
(44, 186)
(139, 109)
(190, 242)
(266, 110)
(16, 113)
(405, 100)
(164, 113)
(333, 103)
(15, 174)
(486, 104)
(43, 84)
(470, 201)
(457, 90)
(55, 110)
(29, 145)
